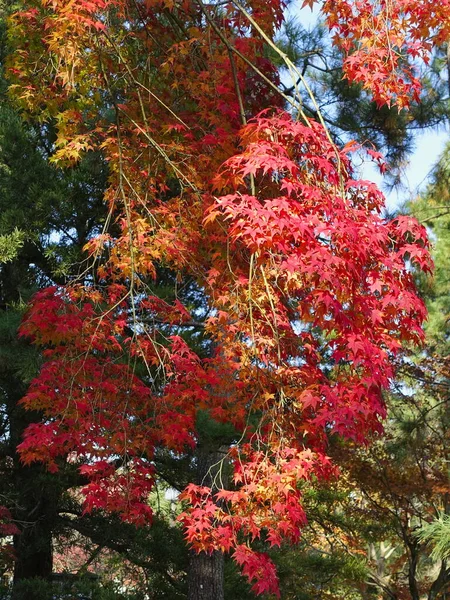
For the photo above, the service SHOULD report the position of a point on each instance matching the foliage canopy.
(291, 294)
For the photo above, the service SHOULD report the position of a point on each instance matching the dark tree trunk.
(412, 570)
(33, 549)
(442, 580)
(205, 572)
(37, 495)
(205, 576)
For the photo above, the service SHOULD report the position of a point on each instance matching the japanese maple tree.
(303, 292)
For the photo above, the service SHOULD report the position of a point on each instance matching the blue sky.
(428, 147)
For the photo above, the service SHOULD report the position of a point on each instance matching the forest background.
(381, 530)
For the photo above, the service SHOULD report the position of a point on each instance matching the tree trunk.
(35, 515)
(412, 570)
(36, 497)
(205, 572)
(440, 582)
(205, 576)
(33, 549)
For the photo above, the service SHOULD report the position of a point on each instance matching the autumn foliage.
(306, 291)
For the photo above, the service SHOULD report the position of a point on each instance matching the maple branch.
(140, 84)
(230, 46)
(241, 109)
(236, 87)
(293, 69)
(145, 133)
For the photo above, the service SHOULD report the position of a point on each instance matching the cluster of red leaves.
(327, 275)
(265, 504)
(7, 527)
(321, 301)
(309, 290)
(383, 40)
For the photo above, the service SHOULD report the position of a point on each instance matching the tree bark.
(33, 549)
(412, 569)
(205, 576)
(439, 584)
(36, 498)
(205, 571)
